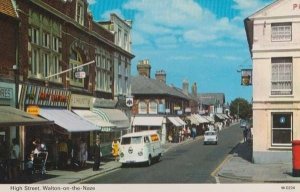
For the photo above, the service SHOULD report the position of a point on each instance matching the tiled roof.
(146, 86)
(7, 8)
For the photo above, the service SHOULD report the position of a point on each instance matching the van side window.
(146, 139)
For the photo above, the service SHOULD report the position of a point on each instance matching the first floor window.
(142, 108)
(35, 59)
(282, 128)
(153, 107)
(282, 75)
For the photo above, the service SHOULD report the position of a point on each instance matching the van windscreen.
(131, 140)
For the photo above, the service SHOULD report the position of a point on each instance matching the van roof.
(142, 133)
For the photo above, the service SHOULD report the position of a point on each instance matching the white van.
(139, 147)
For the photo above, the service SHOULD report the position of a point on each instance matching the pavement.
(237, 166)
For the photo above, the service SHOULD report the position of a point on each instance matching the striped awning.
(114, 116)
(174, 121)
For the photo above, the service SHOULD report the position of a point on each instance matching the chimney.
(185, 87)
(194, 89)
(144, 68)
(161, 76)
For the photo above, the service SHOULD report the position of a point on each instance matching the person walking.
(62, 149)
(115, 149)
(82, 152)
(14, 159)
(245, 134)
(96, 155)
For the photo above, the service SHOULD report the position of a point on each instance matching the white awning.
(147, 121)
(95, 119)
(200, 118)
(220, 116)
(209, 118)
(180, 121)
(68, 120)
(114, 116)
(175, 121)
(193, 120)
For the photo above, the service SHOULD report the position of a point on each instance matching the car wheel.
(159, 158)
(149, 162)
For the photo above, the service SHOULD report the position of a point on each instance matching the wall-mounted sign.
(179, 112)
(177, 108)
(246, 78)
(81, 101)
(80, 75)
(129, 101)
(104, 103)
(168, 111)
(6, 93)
(188, 110)
(33, 110)
(44, 96)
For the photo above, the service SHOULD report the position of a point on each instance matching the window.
(55, 44)
(281, 32)
(142, 108)
(80, 12)
(126, 42)
(119, 37)
(35, 61)
(46, 38)
(75, 61)
(35, 33)
(282, 128)
(153, 107)
(281, 76)
(44, 68)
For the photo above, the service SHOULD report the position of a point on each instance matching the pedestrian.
(96, 155)
(115, 148)
(82, 152)
(194, 132)
(188, 132)
(40, 153)
(14, 159)
(62, 149)
(245, 134)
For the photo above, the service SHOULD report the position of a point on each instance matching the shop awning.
(114, 116)
(95, 119)
(210, 119)
(174, 121)
(180, 121)
(200, 118)
(68, 120)
(10, 116)
(220, 116)
(147, 121)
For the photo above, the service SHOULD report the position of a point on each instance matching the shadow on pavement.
(243, 150)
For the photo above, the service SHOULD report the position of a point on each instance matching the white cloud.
(247, 7)
(106, 15)
(191, 23)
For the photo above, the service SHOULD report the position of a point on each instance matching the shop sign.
(104, 103)
(6, 93)
(44, 96)
(129, 101)
(80, 101)
(80, 74)
(188, 110)
(246, 78)
(179, 112)
(168, 111)
(33, 110)
(176, 108)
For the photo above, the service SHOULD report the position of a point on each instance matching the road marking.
(215, 172)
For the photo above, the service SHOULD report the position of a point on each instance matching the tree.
(241, 107)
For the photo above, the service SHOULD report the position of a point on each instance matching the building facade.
(274, 46)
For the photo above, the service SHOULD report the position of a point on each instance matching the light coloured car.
(210, 137)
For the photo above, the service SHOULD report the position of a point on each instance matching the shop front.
(51, 104)
(107, 112)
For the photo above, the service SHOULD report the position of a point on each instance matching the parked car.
(210, 137)
(140, 147)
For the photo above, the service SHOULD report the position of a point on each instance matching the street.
(188, 163)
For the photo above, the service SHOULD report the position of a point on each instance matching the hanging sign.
(246, 78)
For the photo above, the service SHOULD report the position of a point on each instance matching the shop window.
(282, 128)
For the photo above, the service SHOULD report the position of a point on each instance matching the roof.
(141, 85)
(7, 8)
(211, 98)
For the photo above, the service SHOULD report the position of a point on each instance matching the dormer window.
(80, 12)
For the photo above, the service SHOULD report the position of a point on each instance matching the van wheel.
(159, 158)
(149, 162)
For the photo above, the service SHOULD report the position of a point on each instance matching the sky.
(202, 41)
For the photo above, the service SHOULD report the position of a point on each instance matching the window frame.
(290, 129)
(276, 76)
(79, 16)
(144, 109)
(274, 37)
